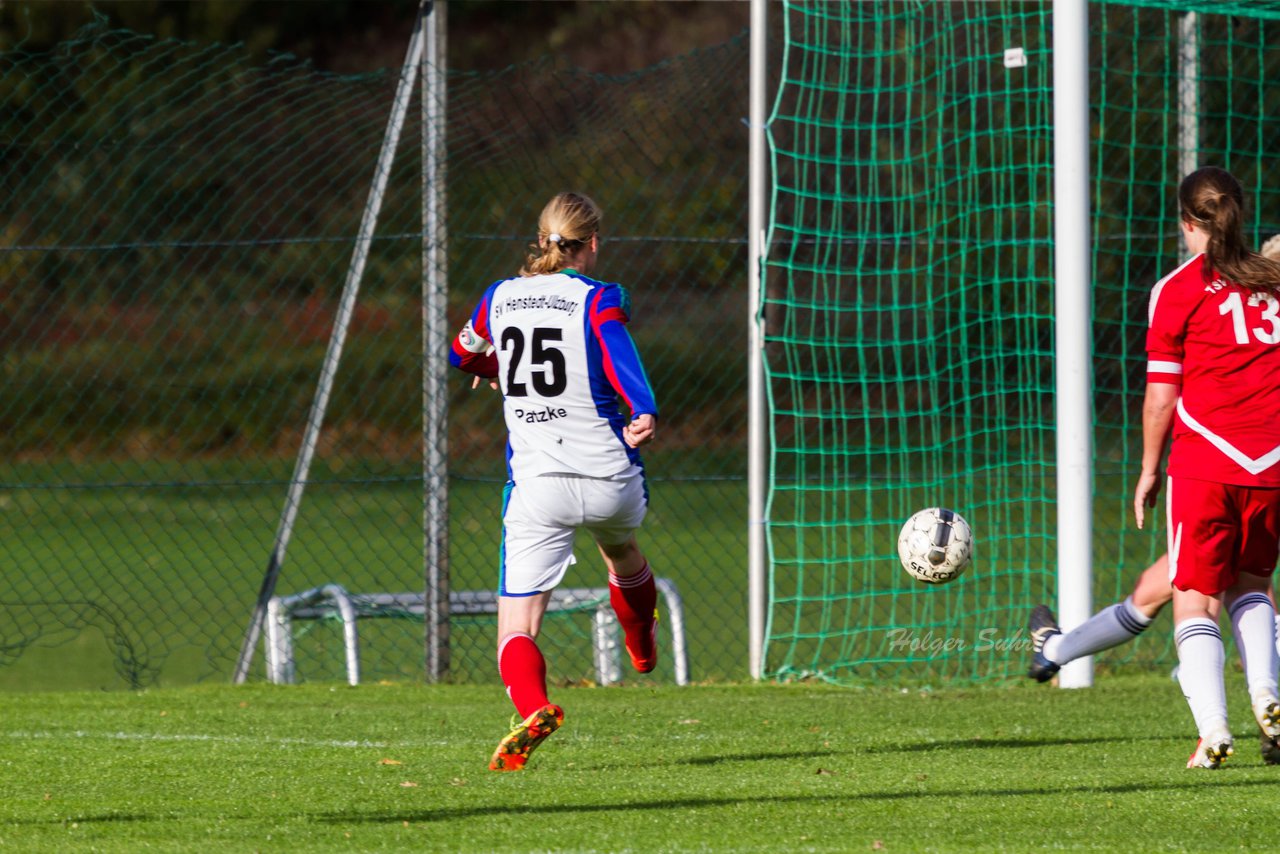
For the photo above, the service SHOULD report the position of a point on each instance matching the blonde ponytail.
(566, 224)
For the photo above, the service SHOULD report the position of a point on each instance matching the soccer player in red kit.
(1125, 620)
(1213, 384)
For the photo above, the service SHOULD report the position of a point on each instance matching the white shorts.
(541, 515)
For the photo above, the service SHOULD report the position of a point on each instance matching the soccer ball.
(935, 545)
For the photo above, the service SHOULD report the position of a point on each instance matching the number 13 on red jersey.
(1268, 333)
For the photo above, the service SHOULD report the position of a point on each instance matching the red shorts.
(1218, 530)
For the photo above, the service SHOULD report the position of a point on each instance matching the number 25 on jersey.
(549, 380)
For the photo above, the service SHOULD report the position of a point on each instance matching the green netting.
(908, 327)
(1245, 8)
(909, 298)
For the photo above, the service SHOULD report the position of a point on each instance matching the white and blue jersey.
(562, 356)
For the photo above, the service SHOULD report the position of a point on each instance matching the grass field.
(706, 768)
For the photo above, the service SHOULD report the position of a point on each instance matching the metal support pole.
(757, 568)
(435, 338)
(337, 338)
(1188, 102)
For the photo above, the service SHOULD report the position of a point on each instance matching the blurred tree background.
(168, 162)
(184, 184)
(348, 36)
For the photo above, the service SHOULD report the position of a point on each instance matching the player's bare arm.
(1157, 417)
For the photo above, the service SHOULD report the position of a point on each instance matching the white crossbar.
(333, 599)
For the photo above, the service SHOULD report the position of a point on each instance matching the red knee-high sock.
(633, 598)
(524, 672)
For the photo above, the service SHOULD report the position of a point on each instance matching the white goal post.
(1073, 309)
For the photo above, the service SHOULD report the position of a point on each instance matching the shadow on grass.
(751, 757)
(940, 797)
(918, 747)
(711, 761)
(985, 743)
(1219, 779)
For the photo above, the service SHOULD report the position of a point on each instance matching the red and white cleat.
(1212, 750)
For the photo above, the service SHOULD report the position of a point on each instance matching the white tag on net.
(1015, 57)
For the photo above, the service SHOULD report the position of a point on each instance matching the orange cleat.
(514, 750)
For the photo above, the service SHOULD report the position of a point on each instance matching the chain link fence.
(178, 220)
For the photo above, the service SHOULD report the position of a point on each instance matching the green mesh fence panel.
(1258, 9)
(909, 309)
(908, 331)
(178, 220)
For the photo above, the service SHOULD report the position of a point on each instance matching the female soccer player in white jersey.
(558, 345)
(1213, 382)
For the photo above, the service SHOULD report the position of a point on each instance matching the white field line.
(197, 737)
(259, 741)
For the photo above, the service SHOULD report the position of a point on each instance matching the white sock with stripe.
(1200, 659)
(1253, 620)
(1120, 623)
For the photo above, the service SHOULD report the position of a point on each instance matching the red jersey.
(1221, 343)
